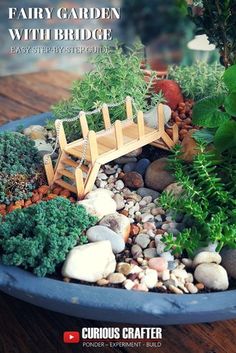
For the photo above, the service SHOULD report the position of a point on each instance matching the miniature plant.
(39, 237)
(208, 200)
(19, 167)
(217, 19)
(218, 112)
(199, 80)
(115, 76)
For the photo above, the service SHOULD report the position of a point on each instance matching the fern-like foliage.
(209, 199)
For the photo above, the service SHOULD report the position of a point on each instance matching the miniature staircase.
(79, 161)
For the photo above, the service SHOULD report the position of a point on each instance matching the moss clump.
(39, 237)
(19, 167)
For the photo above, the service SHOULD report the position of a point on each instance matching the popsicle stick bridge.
(86, 155)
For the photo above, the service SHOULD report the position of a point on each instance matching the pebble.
(129, 167)
(102, 282)
(160, 246)
(167, 256)
(133, 180)
(119, 200)
(124, 268)
(157, 176)
(165, 275)
(149, 253)
(119, 185)
(117, 222)
(142, 165)
(187, 262)
(35, 132)
(191, 288)
(175, 189)
(190, 278)
(134, 229)
(146, 217)
(158, 263)
(182, 274)
(90, 262)
(116, 278)
(102, 176)
(142, 240)
(175, 290)
(110, 171)
(100, 232)
(229, 261)
(213, 276)
(43, 147)
(148, 192)
(141, 287)
(206, 257)
(149, 278)
(135, 270)
(128, 284)
(136, 251)
(172, 265)
(200, 286)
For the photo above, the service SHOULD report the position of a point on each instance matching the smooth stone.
(158, 263)
(124, 160)
(117, 222)
(146, 217)
(191, 288)
(149, 253)
(140, 287)
(150, 278)
(35, 132)
(119, 185)
(128, 284)
(116, 278)
(206, 257)
(119, 200)
(157, 176)
(171, 265)
(43, 147)
(187, 262)
(102, 176)
(167, 255)
(90, 262)
(165, 276)
(175, 189)
(160, 246)
(151, 117)
(99, 193)
(133, 180)
(179, 273)
(213, 276)
(123, 267)
(134, 153)
(142, 240)
(148, 192)
(142, 165)
(229, 261)
(136, 251)
(129, 167)
(102, 282)
(100, 206)
(100, 233)
(110, 171)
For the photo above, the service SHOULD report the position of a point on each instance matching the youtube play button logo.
(71, 337)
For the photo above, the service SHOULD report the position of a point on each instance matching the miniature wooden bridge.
(79, 161)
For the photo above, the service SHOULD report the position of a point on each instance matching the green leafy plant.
(19, 167)
(217, 19)
(218, 112)
(115, 76)
(39, 237)
(208, 200)
(199, 80)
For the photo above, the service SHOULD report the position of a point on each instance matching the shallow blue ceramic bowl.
(110, 304)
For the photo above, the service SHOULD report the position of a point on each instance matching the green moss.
(19, 167)
(39, 237)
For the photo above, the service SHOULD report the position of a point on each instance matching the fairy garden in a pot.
(133, 186)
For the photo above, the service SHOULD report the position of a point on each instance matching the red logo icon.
(71, 337)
